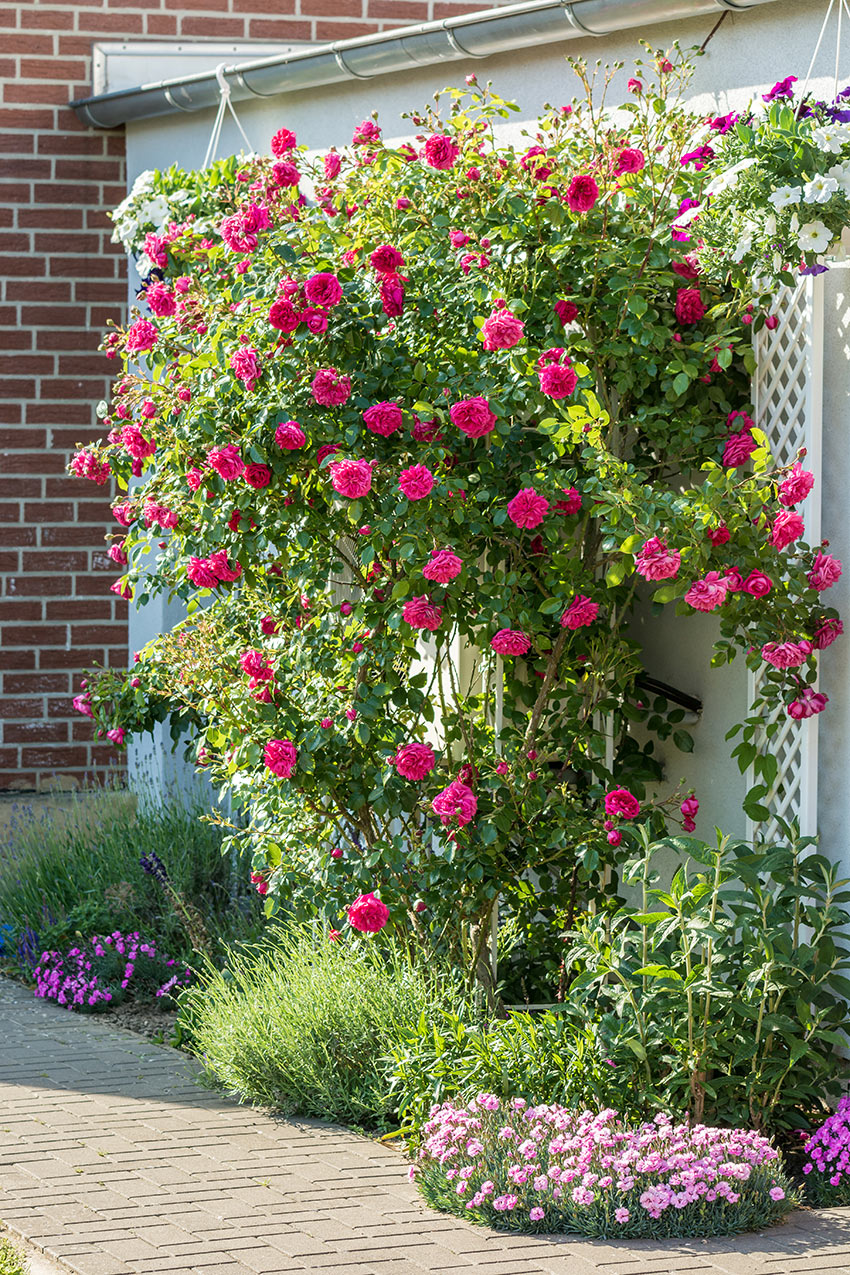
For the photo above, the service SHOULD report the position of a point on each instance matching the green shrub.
(304, 1023)
(67, 876)
(545, 1057)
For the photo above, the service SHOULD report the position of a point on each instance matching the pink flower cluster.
(828, 1163)
(548, 1168)
(209, 573)
(88, 975)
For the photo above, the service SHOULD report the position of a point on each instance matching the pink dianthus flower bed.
(547, 1169)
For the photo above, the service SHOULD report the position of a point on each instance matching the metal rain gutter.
(473, 35)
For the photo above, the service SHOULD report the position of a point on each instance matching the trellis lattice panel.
(788, 397)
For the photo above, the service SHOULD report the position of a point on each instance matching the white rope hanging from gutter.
(225, 104)
(843, 7)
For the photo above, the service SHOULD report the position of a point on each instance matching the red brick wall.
(62, 280)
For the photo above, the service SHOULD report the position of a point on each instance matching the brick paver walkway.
(113, 1160)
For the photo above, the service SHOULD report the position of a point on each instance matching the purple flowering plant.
(548, 1169)
(105, 971)
(827, 1165)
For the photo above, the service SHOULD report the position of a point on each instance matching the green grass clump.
(12, 1260)
(304, 1023)
(77, 871)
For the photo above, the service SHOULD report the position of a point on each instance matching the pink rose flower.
(629, 160)
(414, 761)
(161, 299)
(690, 807)
(620, 803)
(284, 316)
(654, 561)
(556, 374)
(283, 141)
(290, 436)
(510, 642)
(116, 734)
(269, 625)
(135, 443)
(809, 704)
(366, 133)
(156, 515)
(201, 574)
(528, 508)
(718, 535)
(783, 654)
(738, 450)
(141, 336)
(219, 563)
(709, 593)
(323, 290)
(580, 613)
(332, 165)
(421, 613)
(280, 756)
(441, 151)
(827, 633)
(391, 288)
(796, 487)
(582, 193)
(416, 482)
(444, 566)
(384, 418)
(245, 366)
(286, 174)
(567, 311)
(351, 478)
(456, 802)
(571, 503)
(368, 914)
(330, 388)
(689, 305)
(502, 330)
(257, 476)
(86, 465)
(226, 461)
(787, 527)
(386, 259)
(82, 704)
(473, 416)
(825, 572)
(757, 584)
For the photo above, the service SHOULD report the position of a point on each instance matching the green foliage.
(729, 987)
(305, 1023)
(82, 876)
(12, 1260)
(543, 1058)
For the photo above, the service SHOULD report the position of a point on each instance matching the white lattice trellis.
(788, 396)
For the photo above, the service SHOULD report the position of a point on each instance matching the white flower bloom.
(777, 262)
(819, 190)
(814, 236)
(841, 174)
(770, 225)
(742, 247)
(144, 181)
(795, 223)
(726, 179)
(155, 212)
(828, 139)
(784, 196)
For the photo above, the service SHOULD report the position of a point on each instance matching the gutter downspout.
(472, 35)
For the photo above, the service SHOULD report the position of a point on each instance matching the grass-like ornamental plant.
(306, 1023)
(547, 1169)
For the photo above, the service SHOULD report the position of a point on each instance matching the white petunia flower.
(784, 196)
(814, 236)
(828, 139)
(726, 179)
(770, 225)
(820, 190)
(841, 173)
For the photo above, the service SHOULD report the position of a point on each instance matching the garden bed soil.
(146, 1020)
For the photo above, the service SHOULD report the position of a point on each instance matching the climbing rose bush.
(417, 446)
(545, 1168)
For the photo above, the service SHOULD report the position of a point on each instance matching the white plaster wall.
(748, 54)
